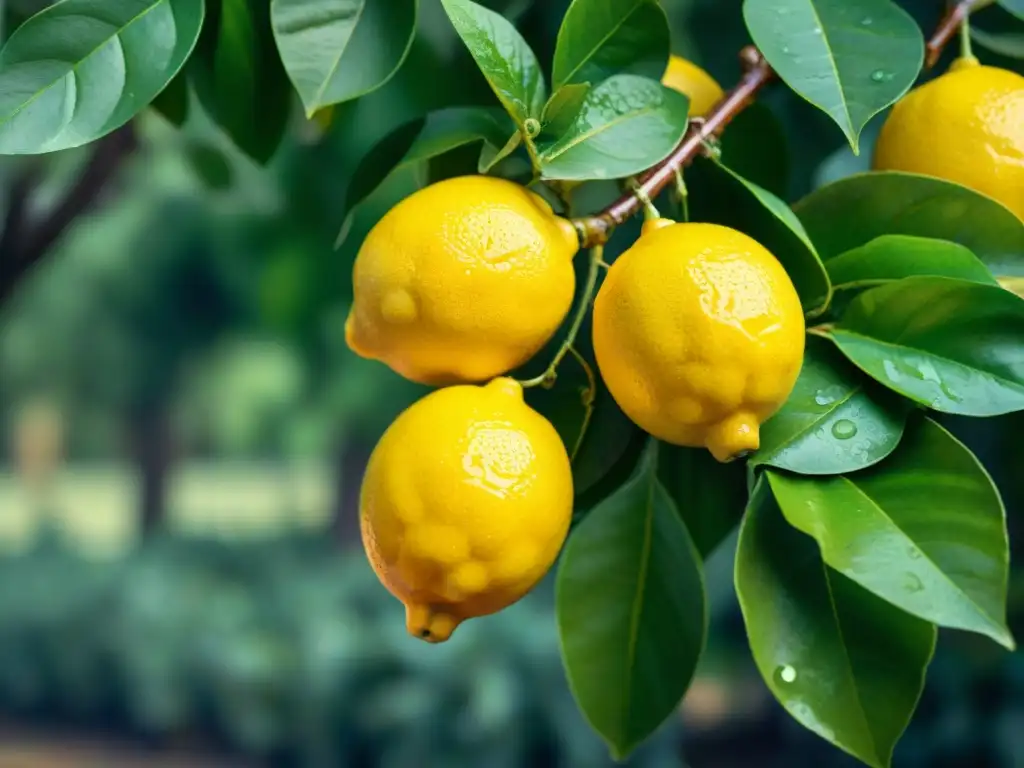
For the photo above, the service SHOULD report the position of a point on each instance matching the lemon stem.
(650, 212)
(684, 195)
(551, 373)
(966, 51)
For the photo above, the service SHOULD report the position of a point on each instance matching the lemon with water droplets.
(465, 504)
(462, 281)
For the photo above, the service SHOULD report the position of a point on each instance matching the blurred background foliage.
(186, 431)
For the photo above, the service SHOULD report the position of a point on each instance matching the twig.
(23, 243)
(596, 229)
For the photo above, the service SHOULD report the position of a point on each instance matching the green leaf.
(850, 58)
(338, 50)
(832, 422)
(893, 257)
(82, 68)
(504, 57)
(925, 531)
(490, 155)
(173, 101)
(563, 107)
(845, 664)
(948, 344)
(631, 609)
(602, 38)
(721, 196)
(755, 148)
(855, 210)
(210, 165)
(239, 79)
(709, 495)
(1009, 44)
(626, 125)
(1016, 7)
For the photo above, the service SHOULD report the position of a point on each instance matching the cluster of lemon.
(697, 330)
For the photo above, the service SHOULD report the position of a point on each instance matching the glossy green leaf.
(239, 78)
(951, 345)
(562, 108)
(850, 58)
(602, 38)
(626, 125)
(1016, 7)
(504, 57)
(491, 155)
(337, 50)
(709, 495)
(1010, 44)
(82, 68)
(833, 422)
(755, 147)
(855, 210)
(173, 101)
(632, 614)
(721, 196)
(925, 530)
(845, 664)
(893, 257)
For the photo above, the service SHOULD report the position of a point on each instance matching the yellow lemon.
(686, 77)
(965, 126)
(465, 504)
(699, 335)
(462, 281)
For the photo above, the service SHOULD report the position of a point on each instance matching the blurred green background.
(184, 433)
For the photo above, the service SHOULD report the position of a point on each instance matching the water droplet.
(878, 76)
(912, 583)
(867, 21)
(786, 674)
(914, 553)
(785, 49)
(844, 429)
(951, 393)
(829, 395)
(816, 30)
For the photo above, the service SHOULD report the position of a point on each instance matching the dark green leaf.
(720, 196)
(626, 125)
(562, 108)
(601, 38)
(504, 57)
(448, 129)
(173, 101)
(859, 208)
(81, 68)
(1009, 44)
(490, 155)
(756, 149)
(337, 50)
(631, 610)
(381, 160)
(709, 495)
(845, 664)
(850, 58)
(925, 530)
(239, 78)
(892, 257)
(210, 165)
(1016, 7)
(832, 422)
(948, 344)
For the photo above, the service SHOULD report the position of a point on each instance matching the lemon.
(686, 77)
(462, 281)
(965, 126)
(465, 504)
(699, 335)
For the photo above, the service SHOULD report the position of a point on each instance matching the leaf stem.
(551, 373)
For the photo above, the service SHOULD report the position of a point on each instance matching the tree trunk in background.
(353, 455)
(153, 448)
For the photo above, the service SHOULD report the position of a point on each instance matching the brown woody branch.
(596, 229)
(23, 243)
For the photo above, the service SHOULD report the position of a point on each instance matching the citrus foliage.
(866, 527)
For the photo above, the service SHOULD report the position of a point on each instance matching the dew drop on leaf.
(786, 674)
(911, 583)
(844, 429)
(881, 76)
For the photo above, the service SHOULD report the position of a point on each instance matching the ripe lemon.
(686, 77)
(965, 126)
(699, 335)
(465, 504)
(462, 281)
